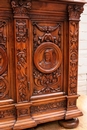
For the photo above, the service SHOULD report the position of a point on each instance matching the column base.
(69, 124)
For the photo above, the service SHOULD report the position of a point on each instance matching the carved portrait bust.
(47, 57)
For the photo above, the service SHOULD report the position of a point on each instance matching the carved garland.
(41, 79)
(47, 107)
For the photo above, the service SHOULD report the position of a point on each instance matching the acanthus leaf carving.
(47, 80)
(75, 11)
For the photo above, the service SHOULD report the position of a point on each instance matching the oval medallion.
(47, 57)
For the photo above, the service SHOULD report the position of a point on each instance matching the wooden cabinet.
(38, 62)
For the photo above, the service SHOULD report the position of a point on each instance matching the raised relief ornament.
(47, 57)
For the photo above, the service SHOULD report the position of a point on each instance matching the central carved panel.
(48, 49)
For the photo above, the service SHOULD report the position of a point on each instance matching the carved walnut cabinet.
(39, 62)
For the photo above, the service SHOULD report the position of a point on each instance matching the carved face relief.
(47, 57)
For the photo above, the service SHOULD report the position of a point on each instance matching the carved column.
(21, 26)
(74, 17)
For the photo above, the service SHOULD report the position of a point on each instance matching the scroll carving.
(22, 31)
(47, 80)
(3, 61)
(21, 7)
(47, 107)
(73, 57)
(75, 11)
(52, 76)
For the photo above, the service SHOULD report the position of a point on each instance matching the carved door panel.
(47, 58)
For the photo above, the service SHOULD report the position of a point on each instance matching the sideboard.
(39, 62)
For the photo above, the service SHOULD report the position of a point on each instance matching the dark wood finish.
(38, 61)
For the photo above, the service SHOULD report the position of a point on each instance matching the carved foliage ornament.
(3, 61)
(21, 7)
(73, 50)
(7, 113)
(47, 107)
(47, 36)
(22, 77)
(47, 58)
(21, 31)
(75, 11)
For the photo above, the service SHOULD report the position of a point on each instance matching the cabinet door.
(47, 58)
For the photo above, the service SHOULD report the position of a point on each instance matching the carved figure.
(48, 60)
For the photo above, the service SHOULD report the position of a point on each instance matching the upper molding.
(21, 7)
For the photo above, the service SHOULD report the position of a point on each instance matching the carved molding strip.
(75, 11)
(47, 107)
(21, 7)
